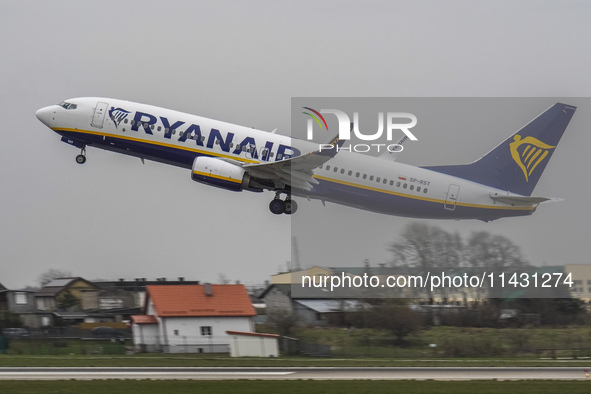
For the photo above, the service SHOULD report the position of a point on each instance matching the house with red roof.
(192, 318)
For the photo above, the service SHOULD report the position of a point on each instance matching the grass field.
(455, 346)
(451, 342)
(297, 386)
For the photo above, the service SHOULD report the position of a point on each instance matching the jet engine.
(216, 172)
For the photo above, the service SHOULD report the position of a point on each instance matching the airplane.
(236, 158)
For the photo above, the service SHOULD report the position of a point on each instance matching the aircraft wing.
(296, 171)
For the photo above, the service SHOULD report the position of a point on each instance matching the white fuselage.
(352, 179)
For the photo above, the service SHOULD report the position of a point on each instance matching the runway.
(323, 373)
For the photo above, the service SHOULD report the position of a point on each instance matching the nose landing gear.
(287, 206)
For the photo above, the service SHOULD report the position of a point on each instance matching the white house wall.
(145, 337)
(183, 334)
(178, 330)
(253, 346)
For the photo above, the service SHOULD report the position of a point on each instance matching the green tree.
(67, 301)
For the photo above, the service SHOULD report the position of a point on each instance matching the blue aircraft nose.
(43, 115)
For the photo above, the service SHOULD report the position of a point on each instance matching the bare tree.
(494, 252)
(427, 248)
(51, 274)
(494, 255)
(223, 279)
(396, 318)
(284, 320)
(423, 246)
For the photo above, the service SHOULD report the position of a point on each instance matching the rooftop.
(200, 300)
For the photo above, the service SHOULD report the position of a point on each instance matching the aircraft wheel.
(277, 206)
(290, 207)
(80, 159)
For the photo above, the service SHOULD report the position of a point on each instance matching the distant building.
(581, 276)
(315, 309)
(20, 302)
(122, 293)
(296, 276)
(53, 294)
(192, 318)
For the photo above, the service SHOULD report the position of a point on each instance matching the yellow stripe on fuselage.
(418, 197)
(211, 153)
(124, 137)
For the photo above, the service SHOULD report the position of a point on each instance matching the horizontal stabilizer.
(522, 200)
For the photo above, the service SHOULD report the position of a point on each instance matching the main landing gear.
(81, 158)
(279, 206)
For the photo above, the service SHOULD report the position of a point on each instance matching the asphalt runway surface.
(323, 373)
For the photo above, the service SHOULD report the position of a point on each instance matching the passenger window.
(342, 170)
(391, 183)
(397, 184)
(350, 172)
(125, 121)
(385, 181)
(278, 156)
(425, 190)
(327, 167)
(336, 169)
(371, 177)
(412, 187)
(357, 175)
(418, 188)
(159, 128)
(364, 176)
(173, 131)
(404, 186)
(378, 179)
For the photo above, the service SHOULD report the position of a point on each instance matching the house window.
(20, 298)
(205, 330)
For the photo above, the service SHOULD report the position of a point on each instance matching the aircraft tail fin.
(336, 144)
(517, 163)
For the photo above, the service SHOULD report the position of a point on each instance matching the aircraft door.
(99, 115)
(452, 197)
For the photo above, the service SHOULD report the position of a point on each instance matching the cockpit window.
(67, 105)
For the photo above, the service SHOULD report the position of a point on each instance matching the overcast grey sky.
(241, 62)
